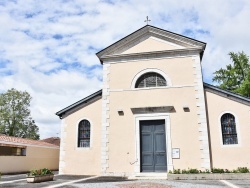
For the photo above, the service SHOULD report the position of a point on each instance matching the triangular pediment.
(150, 39)
(149, 44)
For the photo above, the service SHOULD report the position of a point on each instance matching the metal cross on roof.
(147, 20)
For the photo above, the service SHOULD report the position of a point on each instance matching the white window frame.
(91, 134)
(155, 116)
(237, 130)
(138, 75)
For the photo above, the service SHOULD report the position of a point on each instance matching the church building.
(154, 113)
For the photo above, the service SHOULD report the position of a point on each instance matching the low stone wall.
(225, 176)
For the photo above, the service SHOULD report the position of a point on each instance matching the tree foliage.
(15, 117)
(236, 76)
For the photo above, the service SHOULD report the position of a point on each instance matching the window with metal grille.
(228, 127)
(150, 79)
(84, 134)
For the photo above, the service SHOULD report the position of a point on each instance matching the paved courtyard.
(117, 182)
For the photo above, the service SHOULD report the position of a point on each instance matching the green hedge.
(214, 170)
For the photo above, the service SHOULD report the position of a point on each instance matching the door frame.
(153, 116)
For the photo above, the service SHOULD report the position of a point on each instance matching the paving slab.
(5, 178)
(240, 183)
(149, 184)
(119, 182)
(202, 182)
(57, 180)
(103, 179)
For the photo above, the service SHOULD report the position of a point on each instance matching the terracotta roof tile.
(24, 141)
(52, 140)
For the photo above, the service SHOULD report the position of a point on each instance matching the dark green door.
(153, 146)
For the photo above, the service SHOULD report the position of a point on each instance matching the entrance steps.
(150, 176)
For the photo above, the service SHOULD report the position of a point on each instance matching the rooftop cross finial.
(147, 20)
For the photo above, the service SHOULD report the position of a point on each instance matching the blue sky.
(48, 47)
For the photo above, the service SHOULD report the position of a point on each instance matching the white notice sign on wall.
(176, 153)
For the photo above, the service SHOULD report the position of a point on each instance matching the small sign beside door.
(176, 153)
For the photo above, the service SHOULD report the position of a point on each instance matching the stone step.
(149, 176)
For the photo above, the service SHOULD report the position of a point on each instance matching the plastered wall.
(36, 158)
(82, 161)
(228, 156)
(185, 132)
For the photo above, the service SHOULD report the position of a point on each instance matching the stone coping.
(211, 176)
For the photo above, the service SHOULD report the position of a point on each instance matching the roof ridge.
(84, 100)
(226, 92)
(54, 137)
(17, 137)
(19, 140)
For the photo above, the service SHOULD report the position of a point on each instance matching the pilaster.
(201, 114)
(62, 147)
(105, 120)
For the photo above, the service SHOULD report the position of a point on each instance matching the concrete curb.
(225, 176)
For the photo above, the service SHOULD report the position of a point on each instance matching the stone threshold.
(215, 176)
(149, 176)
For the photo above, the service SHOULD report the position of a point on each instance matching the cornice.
(175, 38)
(85, 100)
(226, 94)
(146, 32)
(151, 55)
(122, 42)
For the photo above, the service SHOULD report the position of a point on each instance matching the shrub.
(218, 170)
(46, 171)
(184, 171)
(170, 172)
(207, 171)
(234, 171)
(178, 171)
(40, 172)
(242, 169)
(193, 171)
(214, 170)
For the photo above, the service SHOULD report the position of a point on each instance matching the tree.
(236, 76)
(15, 118)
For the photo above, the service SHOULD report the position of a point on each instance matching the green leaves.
(236, 77)
(15, 118)
(40, 172)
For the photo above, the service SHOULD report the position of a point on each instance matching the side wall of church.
(81, 161)
(235, 155)
(187, 128)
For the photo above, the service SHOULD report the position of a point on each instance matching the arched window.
(150, 79)
(84, 134)
(228, 127)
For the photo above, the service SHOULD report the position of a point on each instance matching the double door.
(153, 146)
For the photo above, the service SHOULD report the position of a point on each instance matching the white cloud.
(48, 47)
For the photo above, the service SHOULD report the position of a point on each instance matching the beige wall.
(179, 70)
(36, 158)
(114, 136)
(151, 44)
(184, 125)
(83, 161)
(113, 149)
(228, 156)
